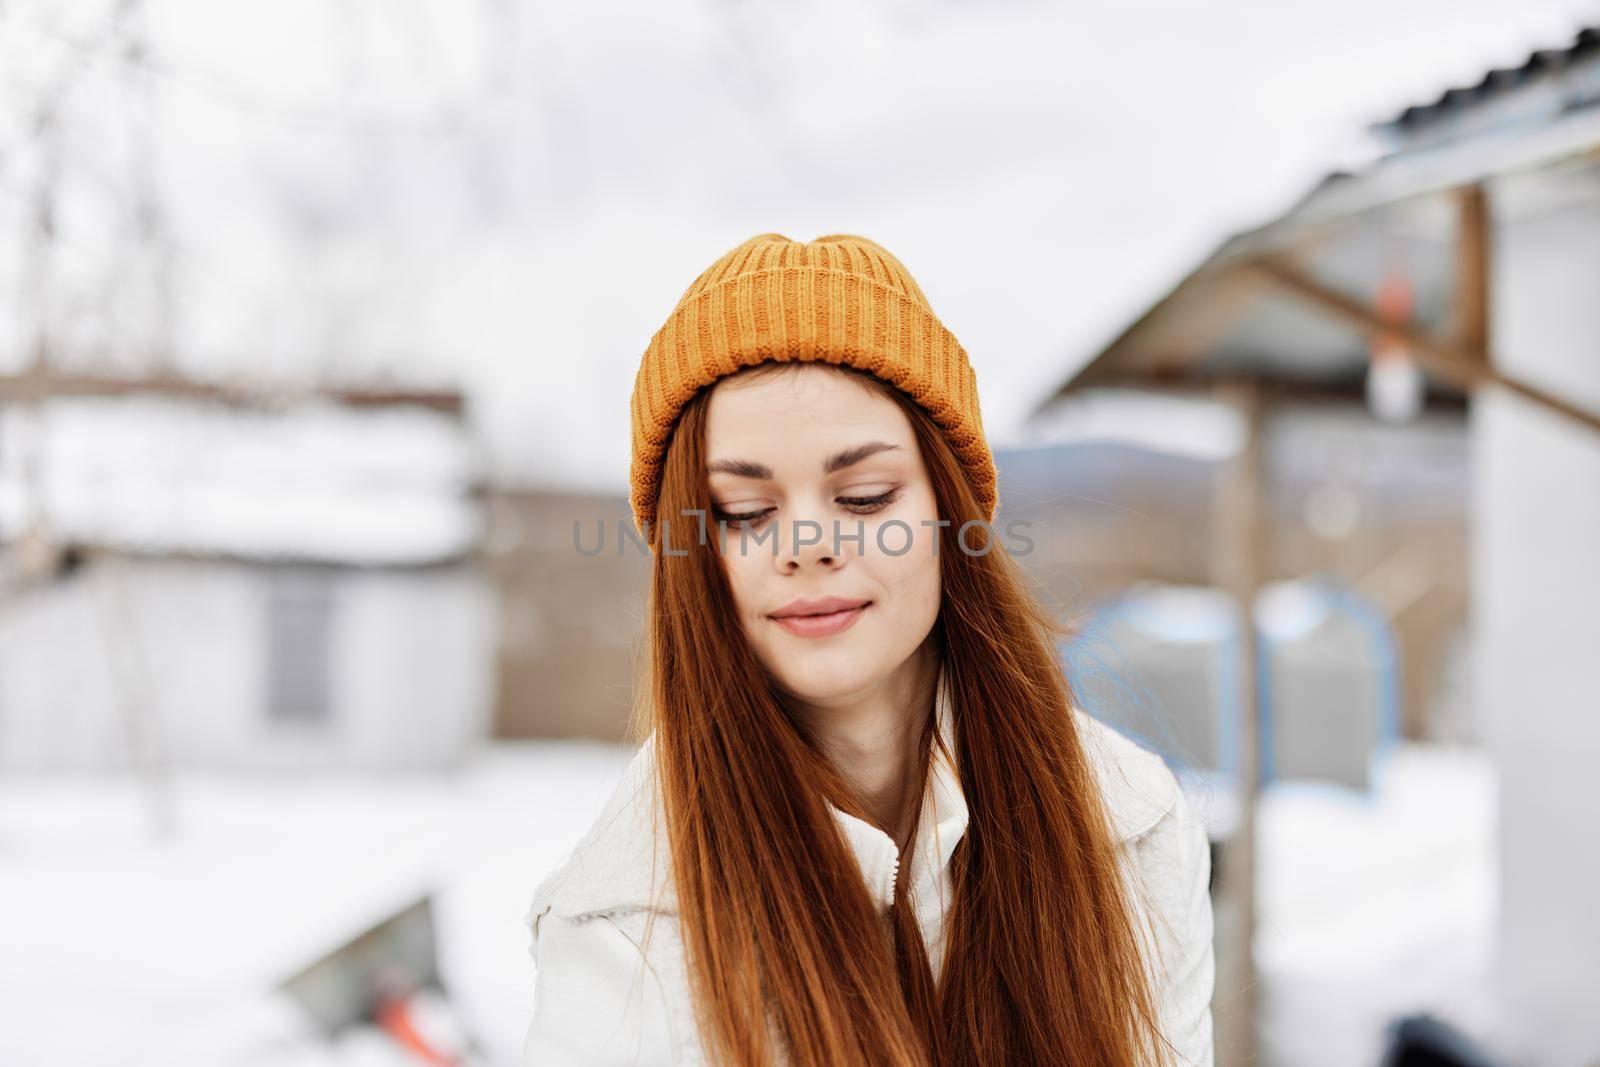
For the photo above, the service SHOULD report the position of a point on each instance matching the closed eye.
(859, 505)
(739, 519)
(866, 505)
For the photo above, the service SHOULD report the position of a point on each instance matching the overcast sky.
(511, 197)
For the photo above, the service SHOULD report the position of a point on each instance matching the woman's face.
(800, 462)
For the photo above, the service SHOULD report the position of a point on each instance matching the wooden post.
(1472, 270)
(1242, 548)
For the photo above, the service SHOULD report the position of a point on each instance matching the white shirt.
(607, 995)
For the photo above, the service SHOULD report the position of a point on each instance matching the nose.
(807, 544)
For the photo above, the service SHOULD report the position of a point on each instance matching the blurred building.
(1461, 263)
(203, 579)
(572, 621)
(1119, 488)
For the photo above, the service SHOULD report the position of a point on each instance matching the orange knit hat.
(837, 299)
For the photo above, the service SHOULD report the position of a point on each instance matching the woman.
(868, 825)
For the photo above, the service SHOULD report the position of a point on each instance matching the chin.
(823, 676)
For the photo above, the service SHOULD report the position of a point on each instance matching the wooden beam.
(1473, 250)
(1466, 370)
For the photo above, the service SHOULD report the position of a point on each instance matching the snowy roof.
(1548, 82)
(315, 480)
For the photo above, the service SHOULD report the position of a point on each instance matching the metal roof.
(1396, 216)
(1549, 81)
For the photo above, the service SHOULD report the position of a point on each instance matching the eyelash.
(860, 505)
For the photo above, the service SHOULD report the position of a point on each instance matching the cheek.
(913, 581)
(743, 579)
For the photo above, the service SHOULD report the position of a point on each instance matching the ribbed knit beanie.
(839, 299)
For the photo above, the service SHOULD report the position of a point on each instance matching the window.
(299, 608)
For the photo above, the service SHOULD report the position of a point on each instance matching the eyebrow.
(848, 457)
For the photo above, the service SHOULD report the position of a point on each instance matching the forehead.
(802, 409)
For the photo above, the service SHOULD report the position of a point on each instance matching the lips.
(819, 606)
(821, 617)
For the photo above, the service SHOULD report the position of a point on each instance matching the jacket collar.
(939, 829)
(623, 861)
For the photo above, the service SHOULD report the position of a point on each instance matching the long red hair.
(1042, 962)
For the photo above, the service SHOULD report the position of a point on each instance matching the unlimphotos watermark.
(894, 537)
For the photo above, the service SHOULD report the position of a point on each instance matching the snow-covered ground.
(1376, 905)
(123, 948)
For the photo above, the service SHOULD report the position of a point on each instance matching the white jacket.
(604, 995)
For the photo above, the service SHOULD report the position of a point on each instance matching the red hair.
(1042, 962)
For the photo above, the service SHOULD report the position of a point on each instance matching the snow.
(120, 945)
(1370, 904)
(1375, 905)
(313, 481)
